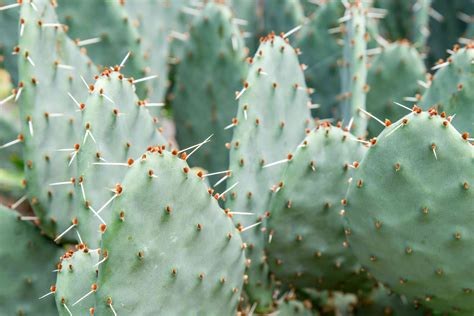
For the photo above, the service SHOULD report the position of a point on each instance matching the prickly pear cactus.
(292, 307)
(270, 123)
(354, 68)
(77, 272)
(311, 251)
(212, 69)
(117, 129)
(27, 261)
(281, 15)
(449, 21)
(452, 88)
(384, 302)
(160, 23)
(320, 52)
(409, 211)
(108, 37)
(405, 20)
(168, 235)
(250, 14)
(9, 19)
(394, 74)
(51, 69)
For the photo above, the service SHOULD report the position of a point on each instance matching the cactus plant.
(211, 70)
(354, 71)
(384, 302)
(27, 261)
(452, 88)
(129, 228)
(109, 37)
(320, 51)
(162, 26)
(406, 20)
(399, 209)
(117, 129)
(77, 271)
(385, 88)
(8, 39)
(270, 122)
(172, 245)
(311, 252)
(51, 69)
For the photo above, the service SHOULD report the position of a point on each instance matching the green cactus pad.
(384, 302)
(116, 128)
(354, 70)
(452, 89)
(27, 261)
(157, 23)
(171, 249)
(50, 67)
(409, 212)
(270, 123)
(77, 274)
(212, 69)
(308, 246)
(320, 51)
(393, 75)
(108, 21)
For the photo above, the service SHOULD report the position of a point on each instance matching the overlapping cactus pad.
(117, 128)
(28, 260)
(312, 250)
(171, 252)
(52, 99)
(271, 121)
(409, 236)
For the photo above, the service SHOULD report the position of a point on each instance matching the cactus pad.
(77, 273)
(270, 123)
(307, 248)
(167, 240)
(27, 261)
(117, 128)
(452, 89)
(393, 75)
(212, 69)
(50, 67)
(409, 212)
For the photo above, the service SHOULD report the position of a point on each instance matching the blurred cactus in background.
(236, 157)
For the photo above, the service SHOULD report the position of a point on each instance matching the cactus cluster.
(236, 157)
